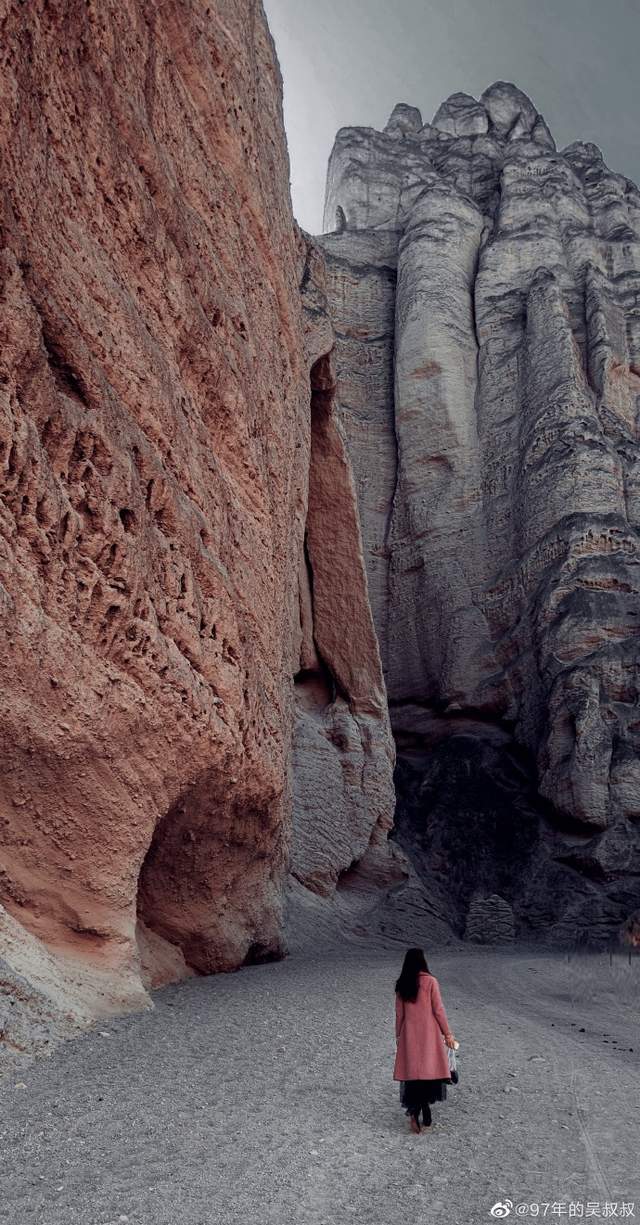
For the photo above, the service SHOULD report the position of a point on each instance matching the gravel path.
(266, 1096)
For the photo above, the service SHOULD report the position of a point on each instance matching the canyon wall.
(161, 581)
(346, 879)
(250, 490)
(484, 289)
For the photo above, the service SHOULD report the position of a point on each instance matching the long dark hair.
(407, 984)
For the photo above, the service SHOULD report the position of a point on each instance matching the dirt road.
(266, 1096)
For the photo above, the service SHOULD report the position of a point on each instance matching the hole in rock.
(65, 376)
(200, 885)
(322, 386)
(258, 954)
(314, 690)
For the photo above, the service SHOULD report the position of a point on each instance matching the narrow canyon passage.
(277, 515)
(266, 1096)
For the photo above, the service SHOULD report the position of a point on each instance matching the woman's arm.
(438, 1010)
(399, 1014)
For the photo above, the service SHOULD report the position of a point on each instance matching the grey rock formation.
(485, 293)
(461, 115)
(489, 920)
(404, 118)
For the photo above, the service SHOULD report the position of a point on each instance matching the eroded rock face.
(155, 441)
(483, 288)
(489, 920)
(180, 534)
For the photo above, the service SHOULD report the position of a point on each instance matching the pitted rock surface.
(155, 435)
(169, 562)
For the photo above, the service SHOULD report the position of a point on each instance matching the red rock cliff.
(154, 444)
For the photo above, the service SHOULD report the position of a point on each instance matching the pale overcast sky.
(348, 62)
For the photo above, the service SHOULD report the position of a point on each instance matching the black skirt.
(414, 1094)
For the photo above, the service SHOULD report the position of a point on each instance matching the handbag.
(453, 1063)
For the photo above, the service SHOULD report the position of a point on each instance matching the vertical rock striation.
(484, 291)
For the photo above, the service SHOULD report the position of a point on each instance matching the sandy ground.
(266, 1096)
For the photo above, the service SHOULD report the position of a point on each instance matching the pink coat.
(420, 1026)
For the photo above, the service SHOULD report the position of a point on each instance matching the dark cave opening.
(482, 840)
(202, 886)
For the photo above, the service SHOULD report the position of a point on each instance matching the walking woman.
(421, 1064)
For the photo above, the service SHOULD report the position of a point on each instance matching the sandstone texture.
(154, 464)
(169, 562)
(484, 289)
